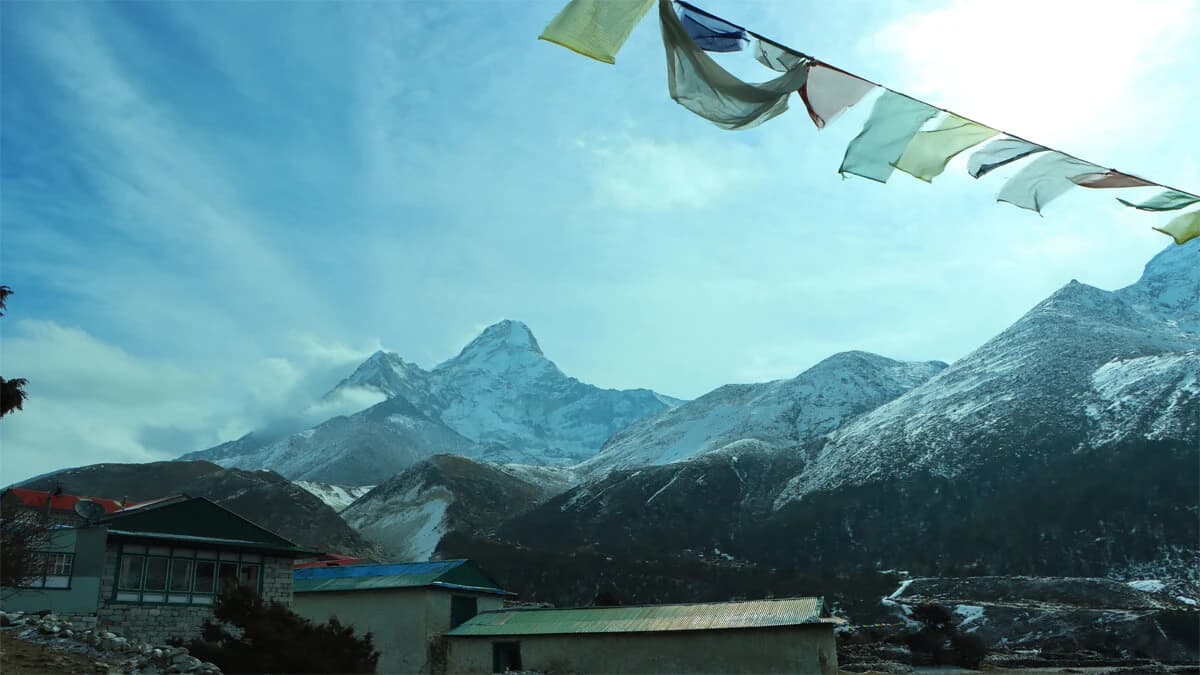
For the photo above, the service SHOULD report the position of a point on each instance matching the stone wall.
(277, 579)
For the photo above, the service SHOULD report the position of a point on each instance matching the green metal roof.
(199, 520)
(645, 618)
(450, 574)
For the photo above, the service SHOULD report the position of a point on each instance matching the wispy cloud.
(91, 401)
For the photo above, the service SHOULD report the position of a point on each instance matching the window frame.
(193, 557)
(39, 581)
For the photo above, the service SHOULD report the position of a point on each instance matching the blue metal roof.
(428, 570)
(449, 574)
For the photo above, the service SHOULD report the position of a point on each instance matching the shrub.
(253, 636)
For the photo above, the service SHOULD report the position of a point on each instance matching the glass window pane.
(59, 564)
(133, 548)
(153, 597)
(58, 582)
(209, 555)
(131, 572)
(227, 577)
(229, 555)
(206, 574)
(127, 596)
(251, 557)
(156, 573)
(181, 574)
(184, 552)
(178, 599)
(250, 574)
(202, 600)
(160, 550)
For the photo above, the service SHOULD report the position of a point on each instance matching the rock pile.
(112, 653)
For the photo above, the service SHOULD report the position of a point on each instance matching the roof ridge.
(819, 598)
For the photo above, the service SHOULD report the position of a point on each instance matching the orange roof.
(63, 502)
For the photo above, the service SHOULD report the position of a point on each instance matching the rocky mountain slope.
(1067, 445)
(499, 400)
(1064, 615)
(263, 497)
(778, 414)
(408, 515)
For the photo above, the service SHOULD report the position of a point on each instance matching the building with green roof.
(784, 635)
(149, 571)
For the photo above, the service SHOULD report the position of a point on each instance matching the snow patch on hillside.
(337, 497)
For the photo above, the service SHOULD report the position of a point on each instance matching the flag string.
(775, 43)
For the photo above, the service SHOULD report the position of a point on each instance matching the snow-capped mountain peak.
(503, 347)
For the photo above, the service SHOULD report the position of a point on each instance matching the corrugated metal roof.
(645, 618)
(459, 574)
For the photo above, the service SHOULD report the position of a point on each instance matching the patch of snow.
(1147, 585)
(969, 614)
(1187, 601)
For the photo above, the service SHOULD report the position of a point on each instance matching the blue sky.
(212, 211)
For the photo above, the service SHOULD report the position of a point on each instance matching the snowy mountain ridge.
(1105, 364)
(776, 414)
(500, 400)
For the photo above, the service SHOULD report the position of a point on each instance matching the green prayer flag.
(894, 120)
(595, 28)
(1183, 228)
(930, 151)
(1168, 200)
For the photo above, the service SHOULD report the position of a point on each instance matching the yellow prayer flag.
(1183, 228)
(927, 155)
(596, 28)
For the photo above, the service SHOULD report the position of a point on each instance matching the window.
(52, 570)
(179, 576)
(462, 608)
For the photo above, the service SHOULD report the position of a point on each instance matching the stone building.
(407, 607)
(153, 571)
(787, 635)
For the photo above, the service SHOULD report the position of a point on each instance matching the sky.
(211, 212)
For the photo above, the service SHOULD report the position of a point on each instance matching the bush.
(268, 637)
(940, 640)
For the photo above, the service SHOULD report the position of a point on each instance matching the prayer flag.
(776, 57)
(1044, 180)
(894, 120)
(595, 28)
(1168, 200)
(1111, 179)
(998, 153)
(1183, 228)
(702, 86)
(713, 35)
(830, 91)
(929, 152)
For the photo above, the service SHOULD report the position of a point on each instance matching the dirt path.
(21, 657)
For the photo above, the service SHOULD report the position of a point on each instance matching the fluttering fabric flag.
(1183, 228)
(713, 35)
(829, 92)
(596, 28)
(1111, 179)
(702, 86)
(894, 121)
(930, 151)
(998, 153)
(1044, 180)
(1168, 200)
(776, 57)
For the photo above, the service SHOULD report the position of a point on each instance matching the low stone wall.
(113, 653)
(154, 623)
